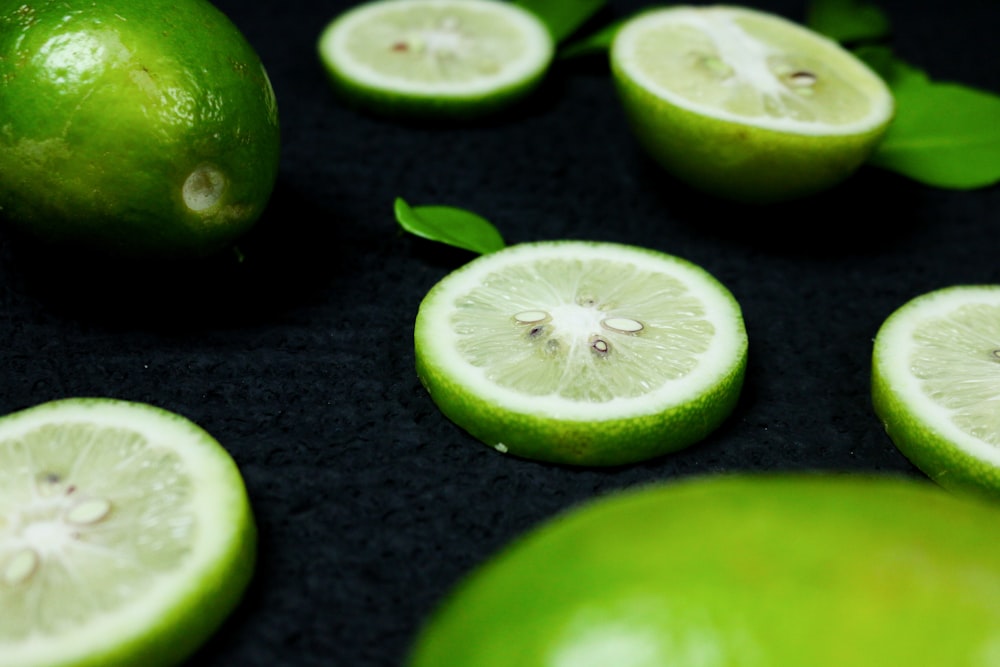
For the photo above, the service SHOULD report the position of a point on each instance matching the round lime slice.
(936, 385)
(744, 104)
(436, 58)
(756, 571)
(126, 535)
(582, 352)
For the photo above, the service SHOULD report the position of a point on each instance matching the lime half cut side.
(126, 535)
(436, 58)
(936, 385)
(745, 104)
(581, 352)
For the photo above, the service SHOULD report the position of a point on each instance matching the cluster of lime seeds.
(537, 322)
(56, 514)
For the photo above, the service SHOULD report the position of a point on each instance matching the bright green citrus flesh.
(582, 352)
(126, 535)
(936, 385)
(436, 58)
(144, 129)
(746, 105)
(766, 571)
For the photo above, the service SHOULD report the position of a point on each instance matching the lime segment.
(435, 57)
(580, 352)
(936, 385)
(126, 535)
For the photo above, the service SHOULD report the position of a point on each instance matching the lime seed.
(20, 567)
(89, 511)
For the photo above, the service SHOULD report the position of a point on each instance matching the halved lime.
(582, 352)
(436, 58)
(126, 535)
(936, 385)
(744, 104)
(756, 571)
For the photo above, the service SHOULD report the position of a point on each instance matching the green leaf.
(944, 134)
(847, 20)
(453, 226)
(596, 42)
(563, 17)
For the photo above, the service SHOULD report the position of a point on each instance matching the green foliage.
(847, 21)
(944, 134)
(453, 226)
(563, 17)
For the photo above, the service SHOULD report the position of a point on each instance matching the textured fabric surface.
(299, 359)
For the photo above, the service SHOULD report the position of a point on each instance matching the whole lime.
(143, 129)
(757, 571)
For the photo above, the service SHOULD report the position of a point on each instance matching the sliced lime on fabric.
(936, 385)
(126, 535)
(769, 571)
(744, 104)
(141, 129)
(436, 58)
(581, 352)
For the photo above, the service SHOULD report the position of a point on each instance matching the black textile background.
(370, 504)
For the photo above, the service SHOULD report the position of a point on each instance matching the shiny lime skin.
(775, 570)
(136, 128)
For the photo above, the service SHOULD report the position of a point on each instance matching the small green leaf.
(596, 42)
(453, 226)
(847, 20)
(562, 17)
(944, 134)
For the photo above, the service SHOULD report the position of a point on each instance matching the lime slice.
(766, 571)
(746, 105)
(936, 385)
(436, 58)
(582, 352)
(126, 535)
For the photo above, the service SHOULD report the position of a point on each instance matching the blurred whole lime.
(142, 129)
(776, 570)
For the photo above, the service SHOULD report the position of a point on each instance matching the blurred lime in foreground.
(772, 571)
(582, 353)
(936, 385)
(746, 105)
(126, 535)
(145, 129)
(436, 58)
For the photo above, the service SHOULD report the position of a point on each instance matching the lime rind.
(935, 387)
(550, 396)
(460, 58)
(180, 603)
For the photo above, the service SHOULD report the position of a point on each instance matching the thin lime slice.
(745, 104)
(726, 570)
(126, 535)
(582, 352)
(436, 58)
(936, 385)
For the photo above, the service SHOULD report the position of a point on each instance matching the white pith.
(439, 342)
(529, 63)
(214, 495)
(746, 55)
(894, 350)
